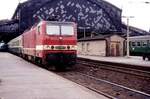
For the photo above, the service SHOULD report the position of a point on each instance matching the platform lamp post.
(128, 31)
(147, 2)
(84, 30)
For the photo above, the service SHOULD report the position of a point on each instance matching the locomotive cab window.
(38, 30)
(67, 30)
(53, 30)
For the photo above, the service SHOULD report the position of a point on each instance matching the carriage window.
(148, 43)
(144, 43)
(67, 30)
(53, 30)
(138, 44)
(133, 43)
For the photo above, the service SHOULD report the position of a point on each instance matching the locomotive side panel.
(29, 43)
(40, 32)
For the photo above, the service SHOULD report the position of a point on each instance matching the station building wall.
(108, 46)
(97, 48)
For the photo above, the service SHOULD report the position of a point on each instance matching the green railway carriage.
(140, 46)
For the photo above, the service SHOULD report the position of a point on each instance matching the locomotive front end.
(60, 43)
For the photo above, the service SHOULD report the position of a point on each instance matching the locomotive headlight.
(47, 47)
(68, 47)
(73, 47)
(52, 47)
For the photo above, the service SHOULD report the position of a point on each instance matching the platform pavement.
(131, 60)
(22, 80)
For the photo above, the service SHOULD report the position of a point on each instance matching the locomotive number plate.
(60, 47)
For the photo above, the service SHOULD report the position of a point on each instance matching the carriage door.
(115, 49)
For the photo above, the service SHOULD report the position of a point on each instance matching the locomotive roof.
(54, 22)
(57, 22)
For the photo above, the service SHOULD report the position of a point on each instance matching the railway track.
(116, 67)
(104, 87)
(126, 70)
(124, 75)
(113, 81)
(119, 86)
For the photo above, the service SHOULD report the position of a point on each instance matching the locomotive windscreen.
(53, 30)
(67, 30)
(60, 29)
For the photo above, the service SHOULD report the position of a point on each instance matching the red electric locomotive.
(49, 42)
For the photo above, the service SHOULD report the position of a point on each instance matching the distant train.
(140, 46)
(3, 47)
(53, 43)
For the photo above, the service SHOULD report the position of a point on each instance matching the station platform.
(131, 60)
(20, 79)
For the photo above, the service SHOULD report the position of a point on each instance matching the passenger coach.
(140, 46)
(16, 45)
